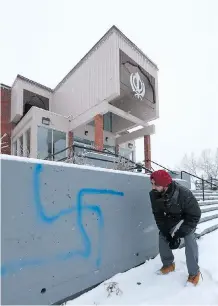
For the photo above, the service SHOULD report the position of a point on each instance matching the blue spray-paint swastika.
(79, 208)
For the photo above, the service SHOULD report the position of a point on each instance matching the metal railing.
(202, 180)
(153, 162)
(134, 165)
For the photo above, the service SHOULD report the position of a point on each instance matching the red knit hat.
(161, 178)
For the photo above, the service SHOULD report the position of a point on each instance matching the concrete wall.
(66, 228)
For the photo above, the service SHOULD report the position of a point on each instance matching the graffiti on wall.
(78, 208)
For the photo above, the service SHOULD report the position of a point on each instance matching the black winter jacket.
(177, 204)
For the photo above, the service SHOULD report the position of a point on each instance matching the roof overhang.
(102, 109)
(149, 130)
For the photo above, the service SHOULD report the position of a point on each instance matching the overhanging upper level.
(114, 71)
(115, 77)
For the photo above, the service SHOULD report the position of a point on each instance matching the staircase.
(209, 211)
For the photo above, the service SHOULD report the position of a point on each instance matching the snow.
(142, 286)
(211, 206)
(68, 165)
(206, 192)
(209, 213)
(204, 225)
(208, 202)
(208, 198)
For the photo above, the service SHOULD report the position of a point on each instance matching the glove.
(174, 243)
(167, 236)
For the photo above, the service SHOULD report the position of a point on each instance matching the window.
(59, 143)
(49, 143)
(32, 99)
(110, 148)
(28, 135)
(83, 141)
(21, 149)
(15, 148)
(126, 153)
(107, 122)
(44, 143)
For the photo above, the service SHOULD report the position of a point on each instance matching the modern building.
(111, 91)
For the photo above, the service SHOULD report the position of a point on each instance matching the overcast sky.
(42, 40)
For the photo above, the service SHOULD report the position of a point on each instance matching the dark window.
(32, 99)
(107, 122)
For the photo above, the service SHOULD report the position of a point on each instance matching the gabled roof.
(4, 86)
(33, 82)
(108, 33)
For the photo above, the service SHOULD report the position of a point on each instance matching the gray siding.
(97, 77)
(95, 80)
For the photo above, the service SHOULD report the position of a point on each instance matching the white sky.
(42, 40)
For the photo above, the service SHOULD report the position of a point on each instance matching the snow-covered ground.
(143, 286)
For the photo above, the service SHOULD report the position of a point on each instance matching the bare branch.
(205, 165)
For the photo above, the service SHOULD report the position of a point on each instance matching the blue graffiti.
(12, 267)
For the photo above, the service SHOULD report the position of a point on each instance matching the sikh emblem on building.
(137, 85)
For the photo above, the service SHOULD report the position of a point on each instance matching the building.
(113, 89)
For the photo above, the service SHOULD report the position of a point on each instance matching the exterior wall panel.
(124, 45)
(95, 80)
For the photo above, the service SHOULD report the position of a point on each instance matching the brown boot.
(194, 279)
(168, 269)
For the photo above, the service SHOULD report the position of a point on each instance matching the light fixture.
(130, 145)
(86, 133)
(45, 121)
(106, 138)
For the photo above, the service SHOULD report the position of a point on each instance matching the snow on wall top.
(68, 165)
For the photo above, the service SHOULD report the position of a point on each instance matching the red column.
(147, 151)
(6, 126)
(99, 133)
(70, 144)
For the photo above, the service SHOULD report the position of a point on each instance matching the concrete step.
(206, 198)
(207, 202)
(209, 217)
(206, 227)
(215, 206)
(205, 191)
(206, 195)
(208, 213)
(204, 210)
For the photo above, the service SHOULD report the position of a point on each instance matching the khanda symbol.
(138, 85)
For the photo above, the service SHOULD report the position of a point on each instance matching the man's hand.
(168, 237)
(175, 242)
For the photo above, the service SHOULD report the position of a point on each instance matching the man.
(172, 205)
